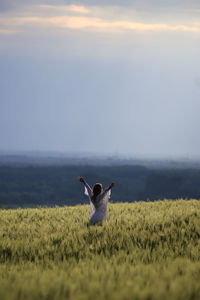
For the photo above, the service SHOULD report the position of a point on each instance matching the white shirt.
(98, 208)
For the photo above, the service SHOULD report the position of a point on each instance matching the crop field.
(144, 251)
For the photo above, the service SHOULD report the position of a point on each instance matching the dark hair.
(97, 188)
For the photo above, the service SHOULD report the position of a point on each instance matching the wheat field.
(144, 251)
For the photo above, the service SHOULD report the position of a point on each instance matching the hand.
(81, 179)
(112, 184)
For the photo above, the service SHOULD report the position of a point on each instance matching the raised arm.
(109, 187)
(88, 190)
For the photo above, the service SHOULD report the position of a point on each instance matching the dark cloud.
(5, 5)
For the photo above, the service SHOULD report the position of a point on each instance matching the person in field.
(98, 200)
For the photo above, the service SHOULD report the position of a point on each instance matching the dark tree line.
(54, 185)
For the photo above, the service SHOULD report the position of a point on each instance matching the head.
(97, 189)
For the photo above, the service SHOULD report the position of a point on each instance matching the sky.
(107, 77)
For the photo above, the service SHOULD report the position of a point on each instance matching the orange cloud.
(7, 31)
(195, 10)
(80, 9)
(97, 24)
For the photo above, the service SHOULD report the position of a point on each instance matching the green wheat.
(144, 251)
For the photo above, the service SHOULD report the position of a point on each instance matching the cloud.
(8, 5)
(195, 11)
(98, 24)
(80, 9)
(5, 5)
(11, 5)
(141, 4)
(7, 31)
(108, 19)
(136, 2)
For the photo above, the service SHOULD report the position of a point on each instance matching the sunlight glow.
(7, 31)
(72, 8)
(98, 19)
(97, 24)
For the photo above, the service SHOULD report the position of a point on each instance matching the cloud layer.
(93, 18)
(97, 24)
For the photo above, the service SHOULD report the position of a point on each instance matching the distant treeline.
(55, 185)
